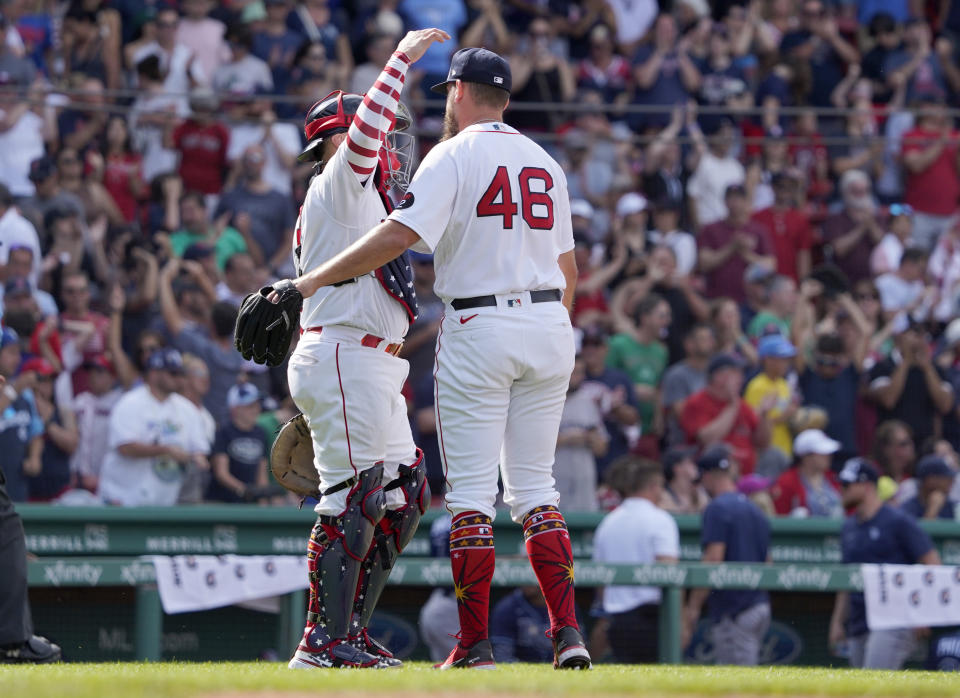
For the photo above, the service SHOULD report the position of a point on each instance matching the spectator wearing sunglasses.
(886, 255)
(832, 382)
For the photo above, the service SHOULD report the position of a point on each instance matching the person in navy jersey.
(832, 382)
(734, 529)
(60, 435)
(664, 73)
(944, 654)
(239, 454)
(20, 425)
(934, 482)
(519, 625)
(874, 533)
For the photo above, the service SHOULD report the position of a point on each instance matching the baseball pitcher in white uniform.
(493, 208)
(345, 376)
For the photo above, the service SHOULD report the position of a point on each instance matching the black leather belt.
(544, 296)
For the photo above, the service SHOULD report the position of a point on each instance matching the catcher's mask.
(334, 113)
(398, 150)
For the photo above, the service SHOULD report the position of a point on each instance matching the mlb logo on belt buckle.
(514, 302)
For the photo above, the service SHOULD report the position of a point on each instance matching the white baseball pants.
(350, 396)
(501, 378)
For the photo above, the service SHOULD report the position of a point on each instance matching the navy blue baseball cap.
(858, 470)
(165, 360)
(477, 65)
(721, 361)
(934, 466)
(716, 457)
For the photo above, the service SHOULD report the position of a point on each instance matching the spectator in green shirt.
(226, 241)
(776, 315)
(640, 353)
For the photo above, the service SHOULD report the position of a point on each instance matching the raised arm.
(375, 117)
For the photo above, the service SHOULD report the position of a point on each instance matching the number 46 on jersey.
(535, 202)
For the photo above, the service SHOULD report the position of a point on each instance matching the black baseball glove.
(264, 329)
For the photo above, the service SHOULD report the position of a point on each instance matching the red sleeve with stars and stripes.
(375, 117)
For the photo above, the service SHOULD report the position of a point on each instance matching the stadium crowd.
(764, 200)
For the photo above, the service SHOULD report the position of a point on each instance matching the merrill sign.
(223, 540)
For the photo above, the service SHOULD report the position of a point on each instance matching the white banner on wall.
(911, 596)
(199, 582)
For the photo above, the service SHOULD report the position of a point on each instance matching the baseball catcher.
(351, 447)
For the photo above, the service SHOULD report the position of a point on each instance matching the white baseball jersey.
(493, 207)
(341, 205)
(348, 392)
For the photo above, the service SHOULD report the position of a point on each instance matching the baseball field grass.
(419, 680)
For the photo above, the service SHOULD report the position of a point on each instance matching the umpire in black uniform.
(18, 644)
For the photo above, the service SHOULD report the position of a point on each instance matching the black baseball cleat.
(36, 650)
(569, 650)
(480, 656)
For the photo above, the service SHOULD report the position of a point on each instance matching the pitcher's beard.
(450, 127)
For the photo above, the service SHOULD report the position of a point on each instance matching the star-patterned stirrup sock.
(472, 559)
(548, 546)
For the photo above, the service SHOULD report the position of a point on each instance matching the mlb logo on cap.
(477, 65)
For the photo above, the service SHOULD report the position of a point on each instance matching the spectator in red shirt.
(83, 333)
(603, 69)
(122, 169)
(853, 231)
(727, 247)
(809, 488)
(789, 228)
(717, 414)
(809, 154)
(931, 181)
(202, 143)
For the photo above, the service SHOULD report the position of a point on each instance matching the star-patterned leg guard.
(473, 561)
(334, 556)
(395, 531)
(548, 547)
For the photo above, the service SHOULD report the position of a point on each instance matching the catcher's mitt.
(291, 459)
(264, 329)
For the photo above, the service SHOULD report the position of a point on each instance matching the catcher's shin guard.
(395, 531)
(334, 558)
